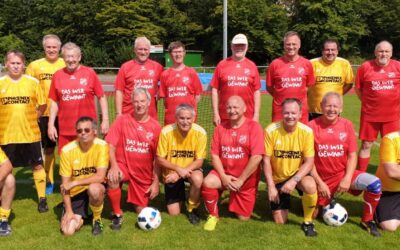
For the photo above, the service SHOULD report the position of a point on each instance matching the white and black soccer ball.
(149, 219)
(334, 214)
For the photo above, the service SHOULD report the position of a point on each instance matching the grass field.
(32, 230)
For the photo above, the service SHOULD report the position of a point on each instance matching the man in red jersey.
(72, 93)
(336, 159)
(378, 87)
(237, 149)
(140, 72)
(133, 141)
(239, 76)
(289, 76)
(179, 84)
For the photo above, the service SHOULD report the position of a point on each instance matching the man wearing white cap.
(236, 75)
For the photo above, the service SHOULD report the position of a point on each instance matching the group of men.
(318, 158)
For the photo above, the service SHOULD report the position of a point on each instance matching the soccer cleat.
(193, 217)
(5, 228)
(116, 222)
(49, 188)
(371, 228)
(211, 223)
(97, 227)
(42, 206)
(308, 229)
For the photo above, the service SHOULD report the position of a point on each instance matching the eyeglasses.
(80, 130)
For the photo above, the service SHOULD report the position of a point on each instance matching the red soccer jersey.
(236, 78)
(332, 145)
(289, 80)
(74, 92)
(133, 75)
(380, 91)
(136, 145)
(177, 87)
(235, 146)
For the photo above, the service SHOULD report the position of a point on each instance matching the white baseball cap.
(239, 39)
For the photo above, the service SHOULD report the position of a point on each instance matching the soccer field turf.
(32, 230)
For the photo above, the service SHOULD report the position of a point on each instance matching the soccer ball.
(149, 219)
(335, 214)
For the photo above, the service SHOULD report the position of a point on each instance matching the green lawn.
(32, 230)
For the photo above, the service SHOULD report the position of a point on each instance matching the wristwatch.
(296, 178)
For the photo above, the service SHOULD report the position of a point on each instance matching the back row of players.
(289, 147)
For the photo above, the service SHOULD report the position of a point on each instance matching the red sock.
(210, 198)
(114, 196)
(363, 164)
(371, 200)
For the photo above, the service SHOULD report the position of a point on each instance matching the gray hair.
(335, 94)
(51, 36)
(292, 100)
(381, 42)
(142, 39)
(290, 34)
(71, 46)
(185, 106)
(141, 91)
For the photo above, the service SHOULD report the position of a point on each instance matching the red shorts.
(333, 184)
(369, 130)
(64, 140)
(242, 202)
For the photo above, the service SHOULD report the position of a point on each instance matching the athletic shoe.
(49, 188)
(116, 222)
(308, 229)
(193, 217)
(5, 228)
(211, 223)
(97, 227)
(371, 228)
(42, 206)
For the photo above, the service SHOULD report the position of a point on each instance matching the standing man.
(7, 191)
(21, 104)
(332, 73)
(133, 142)
(72, 93)
(238, 76)
(43, 70)
(237, 149)
(179, 84)
(140, 72)
(378, 87)
(388, 212)
(180, 153)
(83, 168)
(288, 160)
(289, 76)
(336, 160)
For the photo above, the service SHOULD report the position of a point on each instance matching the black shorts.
(44, 125)
(284, 199)
(175, 192)
(80, 204)
(388, 207)
(24, 154)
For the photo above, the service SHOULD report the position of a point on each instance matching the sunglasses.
(81, 130)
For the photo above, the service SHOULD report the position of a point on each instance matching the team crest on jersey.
(242, 139)
(234, 133)
(83, 81)
(391, 75)
(343, 136)
(330, 131)
(247, 71)
(185, 80)
(149, 136)
(301, 70)
(151, 72)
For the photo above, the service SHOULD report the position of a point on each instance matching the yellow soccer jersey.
(389, 152)
(18, 116)
(287, 150)
(3, 156)
(180, 150)
(43, 70)
(80, 165)
(328, 78)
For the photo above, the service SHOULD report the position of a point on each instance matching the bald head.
(235, 108)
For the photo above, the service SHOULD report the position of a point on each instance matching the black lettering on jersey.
(15, 100)
(182, 154)
(333, 79)
(45, 76)
(84, 171)
(287, 154)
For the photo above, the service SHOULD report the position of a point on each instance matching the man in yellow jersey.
(21, 103)
(7, 191)
(181, 150)
(288, 160)
(388, 212)
(83, 168)
(332, 74)
(43, 70)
